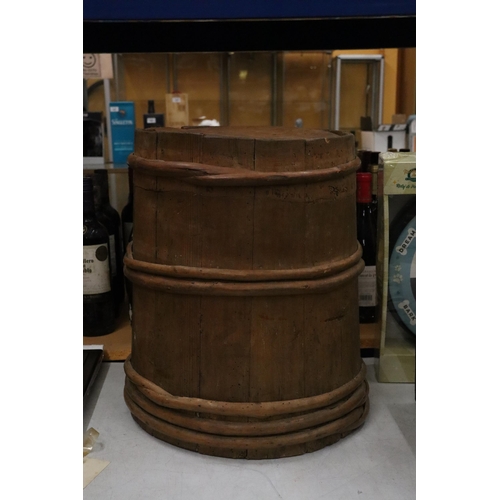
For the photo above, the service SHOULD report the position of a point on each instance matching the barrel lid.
(267, 133)
(264, 149)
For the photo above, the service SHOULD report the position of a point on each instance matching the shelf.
(109, 166)
(117, 345)
(370, 335)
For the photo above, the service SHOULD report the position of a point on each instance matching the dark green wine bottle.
(128, 212)
(365, 220)
(98, 306)
(128, 229)
(110, 218)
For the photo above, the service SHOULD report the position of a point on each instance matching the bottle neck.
(364, 156)
(88, 197)
(374, 171)
(363, 187)
(98, 202)
(130, 184)
(151, 107)
(101, 187)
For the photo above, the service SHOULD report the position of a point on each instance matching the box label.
(367, 287)
(399, 173)
(122, 116)
(97, 66)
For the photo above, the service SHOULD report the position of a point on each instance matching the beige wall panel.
(407, 99)
(250, 88)
(306, 89)
(145, 78)
(198, 76)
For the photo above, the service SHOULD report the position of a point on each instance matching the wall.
(238, 89)
(406, 90)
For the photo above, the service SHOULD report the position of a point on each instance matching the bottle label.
(367, 287)
(96, 278)
(112, 253)
(151, 119)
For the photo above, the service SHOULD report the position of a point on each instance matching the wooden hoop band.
(240, 289)
(319, 271)
(254, 428)
(244, 409)
(166, 430)
(211, 175)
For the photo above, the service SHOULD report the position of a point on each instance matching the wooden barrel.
(245, 335)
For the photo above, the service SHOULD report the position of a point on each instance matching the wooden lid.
(264, 149)
(266, 133)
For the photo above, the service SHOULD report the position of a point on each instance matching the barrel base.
(262, 436)
(260, 454)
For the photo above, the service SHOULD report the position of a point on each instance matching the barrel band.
(242, 409)
(244, 289)
(206, 273)
(211, 175)
(182, 436)
(256, 427)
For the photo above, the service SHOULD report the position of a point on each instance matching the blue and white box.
(122, 118)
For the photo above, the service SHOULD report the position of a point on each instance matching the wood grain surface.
(244, 266)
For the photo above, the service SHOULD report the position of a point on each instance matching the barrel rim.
(251, 132)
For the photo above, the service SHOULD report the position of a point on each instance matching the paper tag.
(97, 66)
(93, 346)
(399, 126)
(92, 467)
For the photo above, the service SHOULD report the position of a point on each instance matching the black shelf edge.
(249, 35)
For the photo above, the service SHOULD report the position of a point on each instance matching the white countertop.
(375, 462)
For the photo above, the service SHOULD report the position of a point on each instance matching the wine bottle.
(98, 307)
(110, 218)
(366, 223)
(353, 132)
(128, 211)
(128, 285)
(373, 169)
(128, 227)
(152, 119)
(365, 157)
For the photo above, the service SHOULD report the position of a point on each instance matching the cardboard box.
(177, 110)
(396, 267)
(385, 137)
(399, 118)
(412, 133)
(122, 117)
(93, 152)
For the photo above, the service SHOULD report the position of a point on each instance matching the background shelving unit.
(153, 26)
